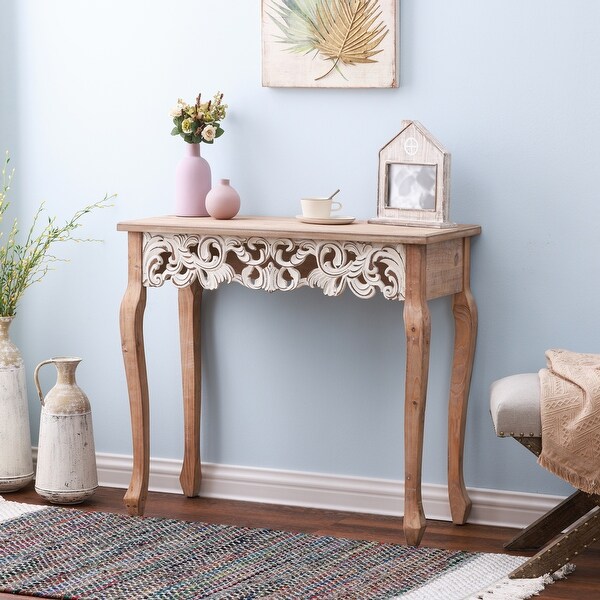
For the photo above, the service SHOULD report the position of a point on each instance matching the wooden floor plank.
(583, 583)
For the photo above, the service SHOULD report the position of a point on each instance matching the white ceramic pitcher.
(66, 463)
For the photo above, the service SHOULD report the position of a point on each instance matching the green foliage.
(297, 21)
(26, 263)
(201, 121)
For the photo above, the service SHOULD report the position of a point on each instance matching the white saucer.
(333, 220)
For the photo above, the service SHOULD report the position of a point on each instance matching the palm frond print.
(341, 31)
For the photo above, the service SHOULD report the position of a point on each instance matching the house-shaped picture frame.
(413, 180)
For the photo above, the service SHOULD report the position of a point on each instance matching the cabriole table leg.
(190, 301)
(132, 344)
(418, 331)
(465, 335)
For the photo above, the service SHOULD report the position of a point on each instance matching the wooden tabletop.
(291, 228)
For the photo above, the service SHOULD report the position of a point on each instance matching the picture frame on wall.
(329, 43)
(413, 180)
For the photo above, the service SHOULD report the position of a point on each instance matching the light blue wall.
(301, 381)
(8, 97)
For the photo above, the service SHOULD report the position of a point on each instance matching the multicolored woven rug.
(53, 552)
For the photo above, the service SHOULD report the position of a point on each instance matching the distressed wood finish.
(551, 524)
(402, 263)
(132, 344)
(279, 227)
(563, 549)
(190, 301)
(418, 332)
(566, 530)
(445, 268)
(465, 336)
(414, 145)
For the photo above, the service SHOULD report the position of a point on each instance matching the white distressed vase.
(66, 462)
(16, 464)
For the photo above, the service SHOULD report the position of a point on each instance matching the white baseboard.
(333, 492)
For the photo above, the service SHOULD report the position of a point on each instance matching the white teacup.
(319, 208)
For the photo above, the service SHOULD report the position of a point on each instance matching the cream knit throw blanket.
(570, 407)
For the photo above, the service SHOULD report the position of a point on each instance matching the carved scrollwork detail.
(185, 257)
(273, 264)
(364, 268)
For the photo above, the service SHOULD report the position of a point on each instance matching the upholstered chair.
(566, 530)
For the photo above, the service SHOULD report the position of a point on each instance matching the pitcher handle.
(37, 381)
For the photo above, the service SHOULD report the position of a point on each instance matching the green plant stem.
(22, 265)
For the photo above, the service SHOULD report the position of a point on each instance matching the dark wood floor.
(584, 583)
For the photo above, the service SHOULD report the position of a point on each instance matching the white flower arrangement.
(201, 121)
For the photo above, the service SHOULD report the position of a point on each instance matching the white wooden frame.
(299, 63)
(414, 146)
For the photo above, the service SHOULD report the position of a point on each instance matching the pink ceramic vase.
(223, 202)
(192, 183)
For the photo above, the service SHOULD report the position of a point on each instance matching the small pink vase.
(223, 202)
(192, 183)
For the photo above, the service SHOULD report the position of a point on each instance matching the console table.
(411, 264)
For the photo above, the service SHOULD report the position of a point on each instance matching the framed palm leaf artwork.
(329, 43)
